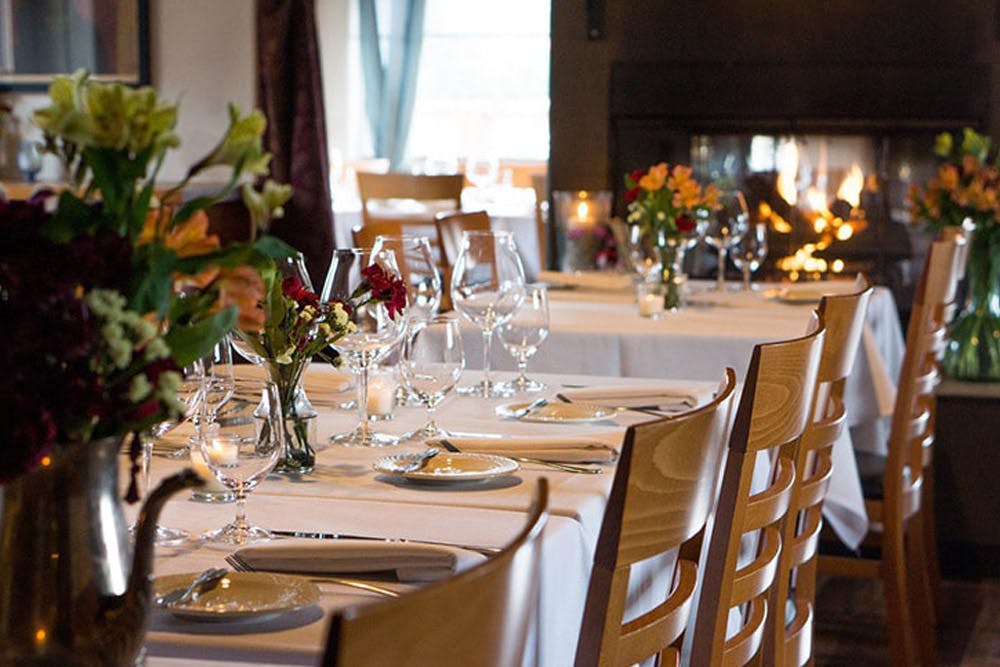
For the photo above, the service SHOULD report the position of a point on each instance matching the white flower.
(286, 357)
(157, 349)
(139, 388)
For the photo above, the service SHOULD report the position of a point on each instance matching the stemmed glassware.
(750, 252)
(241, 448)
(431, 364)
(487, 286)
(374, 338)
(523, 333)
(726, 228)
(416, 265)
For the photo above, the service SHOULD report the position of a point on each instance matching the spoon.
(420, 461)
(202, 581)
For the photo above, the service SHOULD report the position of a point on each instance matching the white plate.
(796, 295)
(558, 412)
(448, 467)
(240, 595)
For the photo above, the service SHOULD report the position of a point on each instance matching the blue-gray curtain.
(391, 84)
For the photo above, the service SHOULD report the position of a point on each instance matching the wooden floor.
(850, 624)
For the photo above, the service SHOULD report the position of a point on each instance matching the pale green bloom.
(157, 349)
(267, 204)
(286, 357)
(942, 144)
(974, 143)
(139, 389)
(241, 147)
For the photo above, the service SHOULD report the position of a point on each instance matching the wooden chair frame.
(419, 187)
(662, 494)
(899, 520)
(772, 414)
(478, 618)
(789, 642)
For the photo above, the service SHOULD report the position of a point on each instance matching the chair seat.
(871, 469)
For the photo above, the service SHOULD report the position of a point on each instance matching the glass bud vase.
(298, 457)
(973, 352)
(672, 277)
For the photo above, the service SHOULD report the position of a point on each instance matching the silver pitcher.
(71, 593)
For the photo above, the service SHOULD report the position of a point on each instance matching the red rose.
(685, 224)
(632, 194)
(638, 174)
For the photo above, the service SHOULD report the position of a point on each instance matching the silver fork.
(241, 565)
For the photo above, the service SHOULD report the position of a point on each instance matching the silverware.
(565, 467)
(529, 408)
(345, 536)
(241, 565)
(205, 581)
(420, 460)
(657, 410)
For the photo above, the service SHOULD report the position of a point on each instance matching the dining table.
(347, 495)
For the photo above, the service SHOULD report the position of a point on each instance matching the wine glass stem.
(363, 429)
(720, 281)
(241, 509)
(487, 347)
(522, 370)
(746, 276)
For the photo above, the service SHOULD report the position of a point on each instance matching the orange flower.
(243, 287)
(711, 198)
(188, 239)
(655, 178)
(947, 177)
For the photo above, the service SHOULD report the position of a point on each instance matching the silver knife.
(312, 535)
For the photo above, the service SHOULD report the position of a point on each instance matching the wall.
(738, 31)
(202, 55)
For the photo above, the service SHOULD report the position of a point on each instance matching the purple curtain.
(290, 94)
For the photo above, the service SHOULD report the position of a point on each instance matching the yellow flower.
(655, 178)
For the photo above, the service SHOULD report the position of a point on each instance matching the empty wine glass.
(241, 448)
(374, 338)
(726, 227)
(219, 382)
(642, 253)
(487, 286)
(750, 252)
(416, 264)
(431, 364)
(482, 170)
(523, 333)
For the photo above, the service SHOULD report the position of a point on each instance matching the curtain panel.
(289, 91)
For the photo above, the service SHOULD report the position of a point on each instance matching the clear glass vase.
(672, 274)
(973, 352)
(298, 455)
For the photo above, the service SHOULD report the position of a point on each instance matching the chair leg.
(920, 592)
(897, 606)
(930, 555)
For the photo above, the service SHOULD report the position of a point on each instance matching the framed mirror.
(43, 38)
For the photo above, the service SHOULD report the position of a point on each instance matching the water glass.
(487, 286)
(241, 448)
(431, 365)
(750, 252)
(523, 333)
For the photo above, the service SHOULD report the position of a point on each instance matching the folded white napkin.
(410, 561)
(661, 397)
(560, 450)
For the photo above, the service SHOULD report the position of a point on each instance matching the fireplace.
(871, 124)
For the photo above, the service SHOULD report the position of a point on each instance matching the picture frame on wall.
(40, 39)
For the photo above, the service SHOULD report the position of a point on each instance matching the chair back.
(450, 227)
(478, 618)
(911, 436)
(773, 412)
(439, 189)
(789, 641)
(663, 491)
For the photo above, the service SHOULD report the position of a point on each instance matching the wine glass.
(750, 252)
(642, 253)
(374, 338)
(487, 286)
(241, 448)
(726, 227)
(416, 264)
(29, 159)
(523, 333)
(219, 382)
(482, 170)
(431, 364)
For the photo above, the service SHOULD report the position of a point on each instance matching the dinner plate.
(448, 467)
(558, 412)
(796, 295)
(240, 595)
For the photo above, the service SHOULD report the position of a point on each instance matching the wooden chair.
(429, 189)
(663, 491)
(773, 412)
(449, 228)
(788, 638)
(898, 509)
(479, 617)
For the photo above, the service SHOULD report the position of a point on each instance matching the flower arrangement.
(965, 191)
(111, 287)
(297, 327)
(668, 201)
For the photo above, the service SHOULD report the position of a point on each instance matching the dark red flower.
(387, 288)
(638, 174)
(632, 194)
(293, 289)
(685, 224)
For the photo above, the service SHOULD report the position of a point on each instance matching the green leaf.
(190, 207)
(273, 247)
(188, 343)
(154, 292)
(72, 217)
